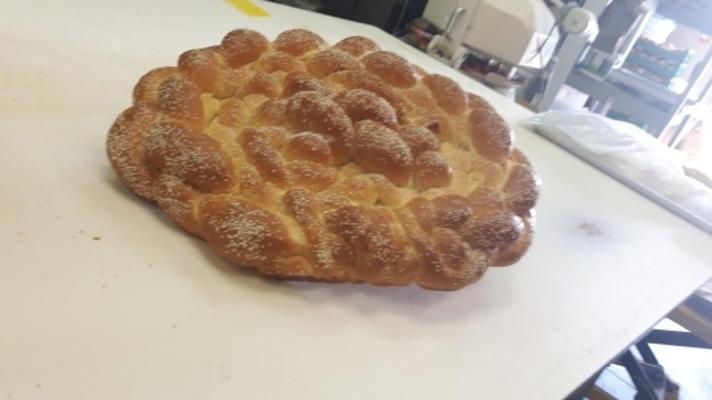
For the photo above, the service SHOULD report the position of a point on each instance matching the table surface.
(101, 297)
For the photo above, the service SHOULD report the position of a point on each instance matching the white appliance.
(513, 34)
(517, 32)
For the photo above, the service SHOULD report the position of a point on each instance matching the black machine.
(389, 15)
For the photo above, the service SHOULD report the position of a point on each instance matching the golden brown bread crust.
(335, 164)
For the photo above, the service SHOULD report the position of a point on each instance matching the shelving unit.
(656, 63)
(642, 89)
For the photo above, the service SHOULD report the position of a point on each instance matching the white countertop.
(147, 312)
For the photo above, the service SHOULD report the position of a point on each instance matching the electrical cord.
(546, 40)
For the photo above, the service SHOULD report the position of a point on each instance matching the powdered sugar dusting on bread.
(124, 147)
(297, 41)
(293, 153)
(328, 61)
(356, 45)
(390, 67)
(361, 104)
(243, 235)
(188, 155)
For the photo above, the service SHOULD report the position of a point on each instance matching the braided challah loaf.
(339, 164)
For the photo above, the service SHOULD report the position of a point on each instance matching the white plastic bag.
(632, 156)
